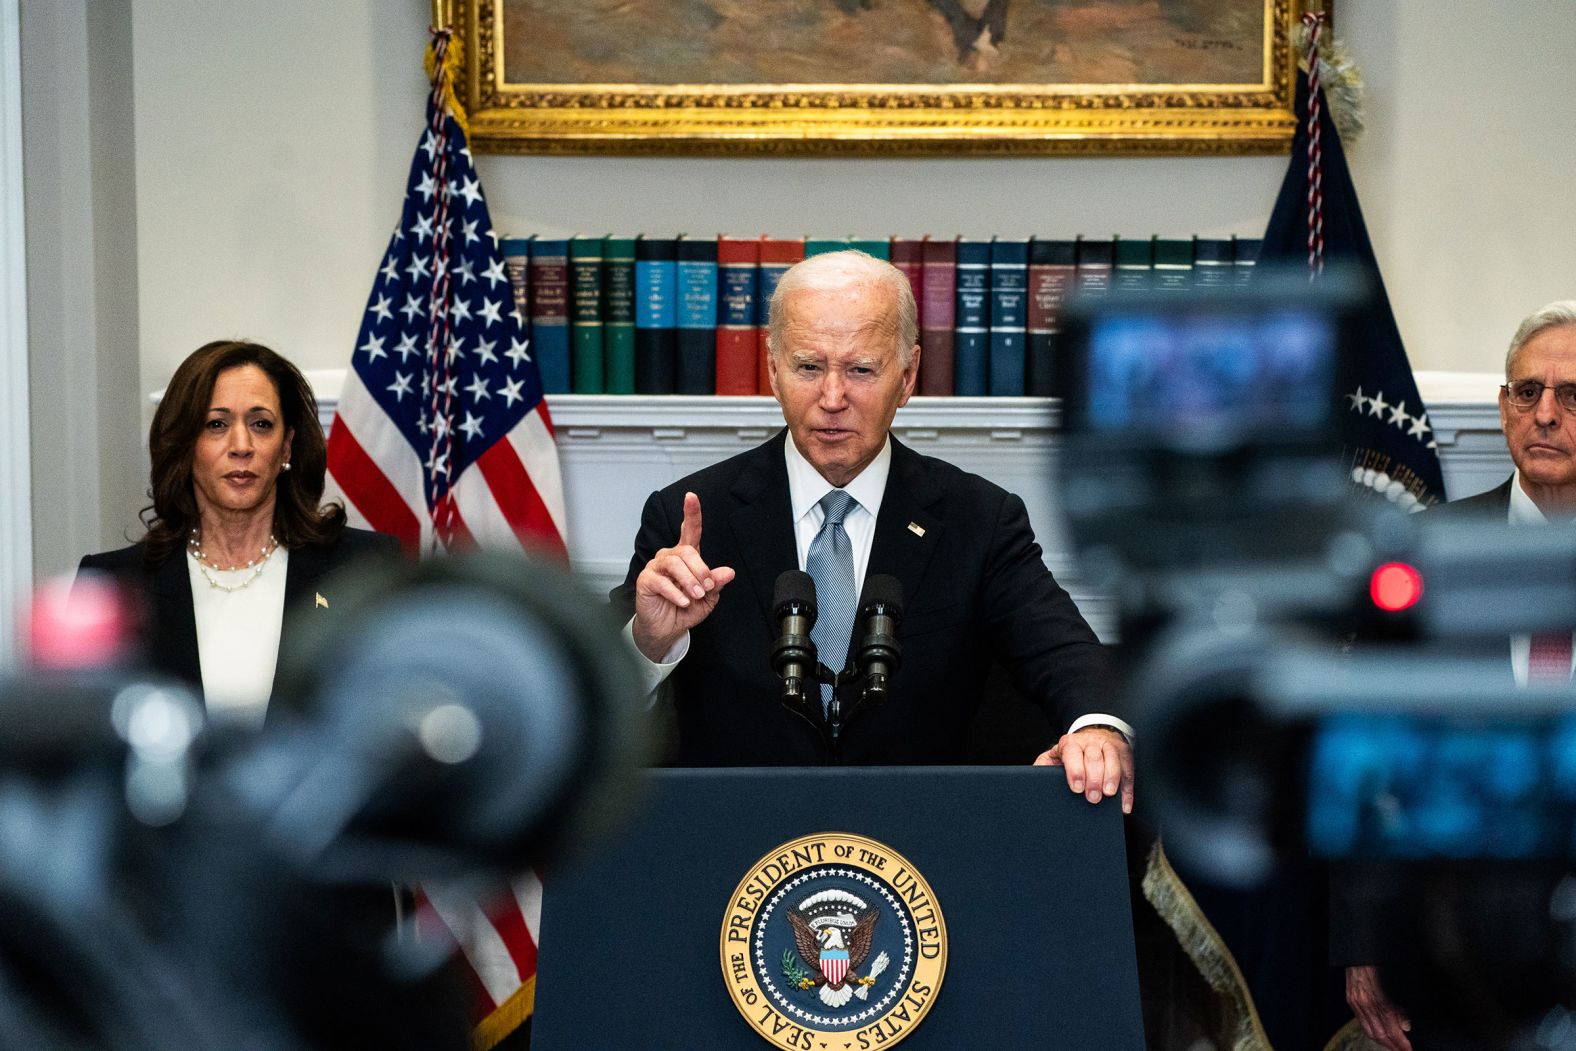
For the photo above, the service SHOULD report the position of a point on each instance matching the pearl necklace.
(194, 548)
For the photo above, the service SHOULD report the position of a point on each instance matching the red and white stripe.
(513, 495)
(1314, 20)
(496, 939)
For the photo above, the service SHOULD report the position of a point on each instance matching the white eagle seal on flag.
(832, 931)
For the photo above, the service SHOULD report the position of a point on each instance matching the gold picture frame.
(1246, 108)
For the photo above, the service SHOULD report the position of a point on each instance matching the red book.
(738, 287)
(908, 256)
(937, 311)
(777, 255)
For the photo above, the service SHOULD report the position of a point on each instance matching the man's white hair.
(834, 271)
(1557, 314)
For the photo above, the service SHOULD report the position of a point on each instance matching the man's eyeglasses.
(1524, 395)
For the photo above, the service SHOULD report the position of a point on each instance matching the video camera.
(1314, 672)
(165, 883)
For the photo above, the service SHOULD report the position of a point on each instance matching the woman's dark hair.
(172, 445)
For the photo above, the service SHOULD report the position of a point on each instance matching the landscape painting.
(930, 76)
(884, 41)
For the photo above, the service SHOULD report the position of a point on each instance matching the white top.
(806, 488)
(1523, 512)
(238, 636)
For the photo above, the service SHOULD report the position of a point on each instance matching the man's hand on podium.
(676, 590)
(1098, 761)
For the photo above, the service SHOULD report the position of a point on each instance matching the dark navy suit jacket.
(169, 630)
(975, 590)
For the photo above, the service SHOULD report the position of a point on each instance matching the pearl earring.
(286, 466)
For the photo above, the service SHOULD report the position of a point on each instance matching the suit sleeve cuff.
(654, 673)
(1096, 719)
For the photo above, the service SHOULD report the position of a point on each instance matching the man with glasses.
(1537, 412)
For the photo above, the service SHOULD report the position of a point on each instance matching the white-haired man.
(835, 493)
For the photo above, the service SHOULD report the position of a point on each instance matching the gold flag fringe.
(1163, 888)
(452, 67)
(1339, 76)
(506, 1018)
(1350, 1037)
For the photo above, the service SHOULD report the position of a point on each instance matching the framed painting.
(879, 76)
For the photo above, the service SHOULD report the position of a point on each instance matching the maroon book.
(937, 309)
(908, 256)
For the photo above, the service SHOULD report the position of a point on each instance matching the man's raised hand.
(676, 590)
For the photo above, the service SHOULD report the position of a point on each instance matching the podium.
(1028, 879)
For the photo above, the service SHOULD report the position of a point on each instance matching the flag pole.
(442, 16)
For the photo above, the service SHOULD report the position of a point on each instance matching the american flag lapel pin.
(916, 529)
(321, 602)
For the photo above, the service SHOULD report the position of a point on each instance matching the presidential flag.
(442, 439)
(1317, 222)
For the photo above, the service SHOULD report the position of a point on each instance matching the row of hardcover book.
(687, 315)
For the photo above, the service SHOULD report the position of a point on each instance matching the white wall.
(272, 139)
(1468, 171)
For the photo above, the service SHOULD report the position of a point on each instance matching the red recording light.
(1395, 586)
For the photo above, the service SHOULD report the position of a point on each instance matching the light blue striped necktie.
(831, 564)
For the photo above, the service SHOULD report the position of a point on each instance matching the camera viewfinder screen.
(1269, 372)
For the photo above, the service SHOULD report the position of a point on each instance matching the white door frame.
(16, 500)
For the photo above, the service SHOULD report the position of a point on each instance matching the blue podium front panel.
(739, 909)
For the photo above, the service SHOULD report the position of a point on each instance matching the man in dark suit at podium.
(837, 495)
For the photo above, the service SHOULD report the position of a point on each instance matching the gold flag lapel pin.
(916, 529)
(321, 602)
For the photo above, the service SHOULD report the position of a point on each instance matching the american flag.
(442, 439)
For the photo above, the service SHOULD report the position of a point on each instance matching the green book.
(618, 314)
(821, 245)
(586, 315)
(1173, 265)
(880, 249)
(1134, 265)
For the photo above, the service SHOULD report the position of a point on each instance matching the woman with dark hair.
(236, 533)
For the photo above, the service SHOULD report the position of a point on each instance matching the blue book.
(1009, 316)
(971, 326)
(550, 312)
(1214, 262)
(656, 315)
(696, 371)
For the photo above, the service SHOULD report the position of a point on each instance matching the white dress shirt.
(1523, 512)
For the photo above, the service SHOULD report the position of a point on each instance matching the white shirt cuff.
(1098, 719)
(653, 673)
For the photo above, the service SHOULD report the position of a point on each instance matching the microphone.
(793, 654)
(879, 655)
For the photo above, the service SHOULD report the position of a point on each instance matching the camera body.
(1315, 672)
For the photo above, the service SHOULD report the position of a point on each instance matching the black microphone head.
(883, 590)
(794, 587)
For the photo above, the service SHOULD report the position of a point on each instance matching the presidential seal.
(833, 941)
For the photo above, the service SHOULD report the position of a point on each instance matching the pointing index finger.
(689, 532)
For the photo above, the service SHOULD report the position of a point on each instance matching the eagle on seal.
(834, 951)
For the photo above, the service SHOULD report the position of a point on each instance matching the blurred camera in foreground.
(1207, 488)
(165, 882)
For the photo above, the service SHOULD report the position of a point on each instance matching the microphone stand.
(835, 718)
